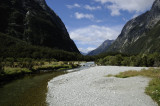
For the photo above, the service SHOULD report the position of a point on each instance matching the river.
(30, 90)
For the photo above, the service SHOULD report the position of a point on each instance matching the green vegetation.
(12, 47)
(15, 71)
(55, 67)
(153, 88)
(146, 60)
(11, 68)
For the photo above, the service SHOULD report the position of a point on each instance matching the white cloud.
(73, 6)
(94, 35)
(88, 7)
(86, 50)
(87, 16)
(114, 10)
(127, 5)
(81, 15)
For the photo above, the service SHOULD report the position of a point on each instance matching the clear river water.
(30, 90)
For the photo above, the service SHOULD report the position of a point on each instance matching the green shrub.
(13, 71)
(145, 60)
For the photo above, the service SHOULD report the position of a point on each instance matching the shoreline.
(9, 78)
(92, 87)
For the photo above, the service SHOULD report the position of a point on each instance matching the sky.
(91, 22)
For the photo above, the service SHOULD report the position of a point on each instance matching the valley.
(51, 53)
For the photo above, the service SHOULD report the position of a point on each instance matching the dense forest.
(15, 48)
(144, 60)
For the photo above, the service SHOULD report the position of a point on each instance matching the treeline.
(14, 48)
(13, 68)
(144, 60)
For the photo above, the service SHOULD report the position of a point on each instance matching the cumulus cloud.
(88, 7)
(127, 5)
(94, 35)
(114, 10)
(82, 15)
(73, 6)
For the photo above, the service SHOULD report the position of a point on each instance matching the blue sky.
(91, 22)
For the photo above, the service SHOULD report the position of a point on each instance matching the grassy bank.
(153, 88)
(14, 70)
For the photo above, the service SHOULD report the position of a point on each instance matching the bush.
(149, 60)
(13, 71)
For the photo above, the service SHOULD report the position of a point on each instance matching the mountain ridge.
(136, 30)
(102, 48)
(35, 23)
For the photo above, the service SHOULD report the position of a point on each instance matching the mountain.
(83, 53)
(34, 22)
(11, 47)
(141, 34)
(102, 48)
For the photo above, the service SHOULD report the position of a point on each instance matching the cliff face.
(34, 22)
(102, 48)
(140, 34)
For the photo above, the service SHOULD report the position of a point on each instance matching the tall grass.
(14, 71)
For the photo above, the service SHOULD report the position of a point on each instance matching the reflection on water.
(30, 90)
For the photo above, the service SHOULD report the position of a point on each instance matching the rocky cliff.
(34, 22)
(141, 34)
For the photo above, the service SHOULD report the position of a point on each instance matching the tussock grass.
(151, 72)
(53, 67)
(14, 71)
(153, 88)
(110, 75)
(127, 74)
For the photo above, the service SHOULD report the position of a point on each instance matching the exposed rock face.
(34, 22)
(102, 48)
(139, 34)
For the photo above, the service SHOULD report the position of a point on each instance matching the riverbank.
(92, 87)
(31, 89)
(11, 73)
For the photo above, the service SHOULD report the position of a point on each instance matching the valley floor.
(91, 87)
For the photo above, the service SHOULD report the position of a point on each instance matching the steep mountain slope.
(141, 34)
(34, 22)
(102, 48)
(16, 48)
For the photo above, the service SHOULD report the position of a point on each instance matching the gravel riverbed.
(91, 87)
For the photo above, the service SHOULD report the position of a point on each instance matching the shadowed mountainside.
(34, 22)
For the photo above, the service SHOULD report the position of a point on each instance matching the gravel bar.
(91, 87)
